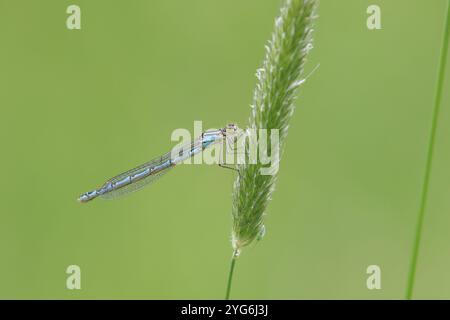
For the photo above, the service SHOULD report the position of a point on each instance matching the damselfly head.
(231, 127)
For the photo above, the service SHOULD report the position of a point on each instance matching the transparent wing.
(148, 165)
(135, 185)
(157, 168)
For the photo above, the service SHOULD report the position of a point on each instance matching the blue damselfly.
(149, 172)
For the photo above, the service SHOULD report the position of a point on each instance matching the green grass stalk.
(230, 274)
(430, 153)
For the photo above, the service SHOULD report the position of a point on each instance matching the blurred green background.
(79, 106)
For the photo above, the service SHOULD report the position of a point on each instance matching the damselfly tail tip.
(88, 196)
(82, 199)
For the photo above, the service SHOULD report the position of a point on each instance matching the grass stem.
(230, 274)
(429, 161)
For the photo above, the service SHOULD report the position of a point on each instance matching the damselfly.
(149, 172)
